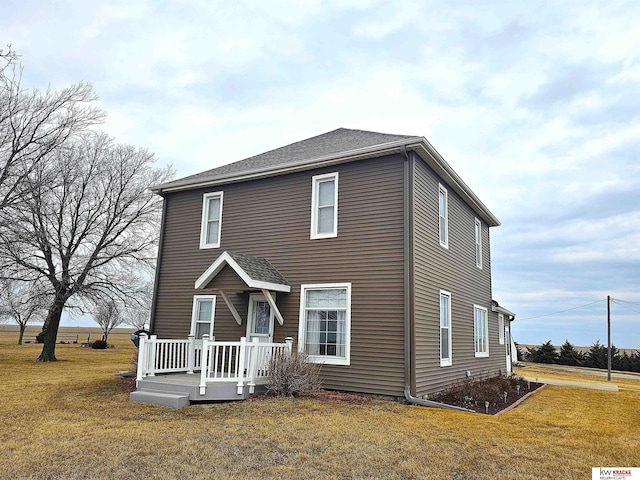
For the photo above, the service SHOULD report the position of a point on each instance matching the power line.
(562, 311)
(623, 305)
(625, 301)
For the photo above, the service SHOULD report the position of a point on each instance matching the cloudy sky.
(535, 104)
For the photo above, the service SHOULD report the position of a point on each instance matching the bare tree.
(107, 315)
(8, 56)
(21, 302)
(91, 232)
(137, 311)
(34, 123)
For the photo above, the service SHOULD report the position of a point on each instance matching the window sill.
(446, 363)
(204, 246)
(323, 235)
(328, 360)
(482, 354)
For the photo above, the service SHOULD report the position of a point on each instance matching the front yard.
(72, 419)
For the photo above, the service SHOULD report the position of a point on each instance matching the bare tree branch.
(107, 315)
(34, 123)
(22, 302)
(91, 232)
(8, 56)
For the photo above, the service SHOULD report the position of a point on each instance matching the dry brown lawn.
(624, 380)
(72, 419)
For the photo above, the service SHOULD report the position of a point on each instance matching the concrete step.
(174, 400)
(162, 384)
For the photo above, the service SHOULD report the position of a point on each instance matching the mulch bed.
(467, 396)
(467, 399)
(128, 384)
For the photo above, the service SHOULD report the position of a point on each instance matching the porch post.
(142, 355)
(152, 355)
(253, 364)
(241, 364)
(205, 364)
(289, 342)
(191, 354)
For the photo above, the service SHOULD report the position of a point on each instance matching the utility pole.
(609, 338)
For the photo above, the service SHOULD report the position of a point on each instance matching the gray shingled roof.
(336, 146)
(331, 143)
(259, 269)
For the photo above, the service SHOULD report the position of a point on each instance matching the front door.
(259, 319)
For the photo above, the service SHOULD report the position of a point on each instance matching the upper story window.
(478, 230)
(324, 206)
(325, 323)
(445, 329)
(211, 220)
(204, 307)
(480, 331)
(443, 213)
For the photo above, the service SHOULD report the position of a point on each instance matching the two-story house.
(366, 249)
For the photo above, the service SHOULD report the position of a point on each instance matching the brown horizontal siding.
(453, 270)
(271, 218)
(228, 280)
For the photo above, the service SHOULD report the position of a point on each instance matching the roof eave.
(348, 156)
(503, 310)
(419, 144)
(226, 259)
(442, 168)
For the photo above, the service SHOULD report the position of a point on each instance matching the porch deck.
(181, 389)
(177, 372)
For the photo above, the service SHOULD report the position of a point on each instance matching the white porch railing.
(168, 356)
(243, 363)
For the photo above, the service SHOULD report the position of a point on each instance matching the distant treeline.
(595, 357)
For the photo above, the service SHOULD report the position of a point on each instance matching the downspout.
(154, 299)
(408, 288)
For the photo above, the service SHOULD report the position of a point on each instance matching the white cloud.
(533, 104)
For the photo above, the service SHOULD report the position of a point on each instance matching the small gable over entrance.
(256, 273)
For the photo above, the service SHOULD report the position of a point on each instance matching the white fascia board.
(225, 259)
(503, 310)
(276, 287)
(356, 154)
(212, 271)
(420, 144)
(430, 155)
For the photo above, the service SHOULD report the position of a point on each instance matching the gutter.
(504, 311)
(378, 150)
(408, 289)
(440, 165)
(421, 145)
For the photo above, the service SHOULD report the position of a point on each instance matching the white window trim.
(446, 362)
(445, 244)
(501, 331)
(194, 312)
(326, 359)
(315, 180)
(486, 331)
(477, 231)
(203, 224)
